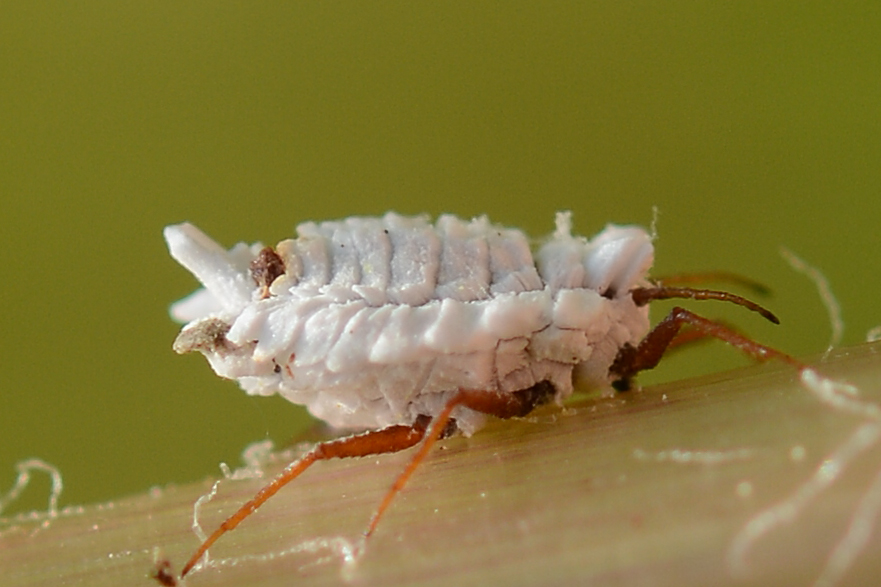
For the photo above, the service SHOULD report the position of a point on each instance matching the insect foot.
(415, 330)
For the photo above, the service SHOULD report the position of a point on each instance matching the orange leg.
(631, 360)
(496, 403)
(689, 336)
(644, 295)
(391, 439)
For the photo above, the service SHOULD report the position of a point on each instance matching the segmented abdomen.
(400, 260)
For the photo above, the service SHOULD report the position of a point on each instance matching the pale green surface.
(561, 498)
(749, 124)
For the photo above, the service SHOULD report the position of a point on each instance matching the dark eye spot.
(266, 267)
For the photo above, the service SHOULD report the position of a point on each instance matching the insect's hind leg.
(391, 439)
(631, 360)
(495, 403)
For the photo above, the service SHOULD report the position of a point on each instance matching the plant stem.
(650, 486)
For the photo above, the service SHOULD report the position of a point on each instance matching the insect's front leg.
(633, 359)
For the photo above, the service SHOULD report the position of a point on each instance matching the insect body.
(413, 330)
(376, 321)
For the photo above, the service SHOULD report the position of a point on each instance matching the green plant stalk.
(650, 487)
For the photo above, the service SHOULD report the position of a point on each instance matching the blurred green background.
(750, 125)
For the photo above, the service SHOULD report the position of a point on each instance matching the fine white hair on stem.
(346, 550)
(828, 298)
(841, 397)
(694, 457)
(786, 511)
(653, 227)
(340, 548)
(838, 395)
(197, 527)
(254, 456)
(862, 524)
(23, 480)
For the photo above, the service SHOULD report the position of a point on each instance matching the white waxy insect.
(413, 330)
(370, 322)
